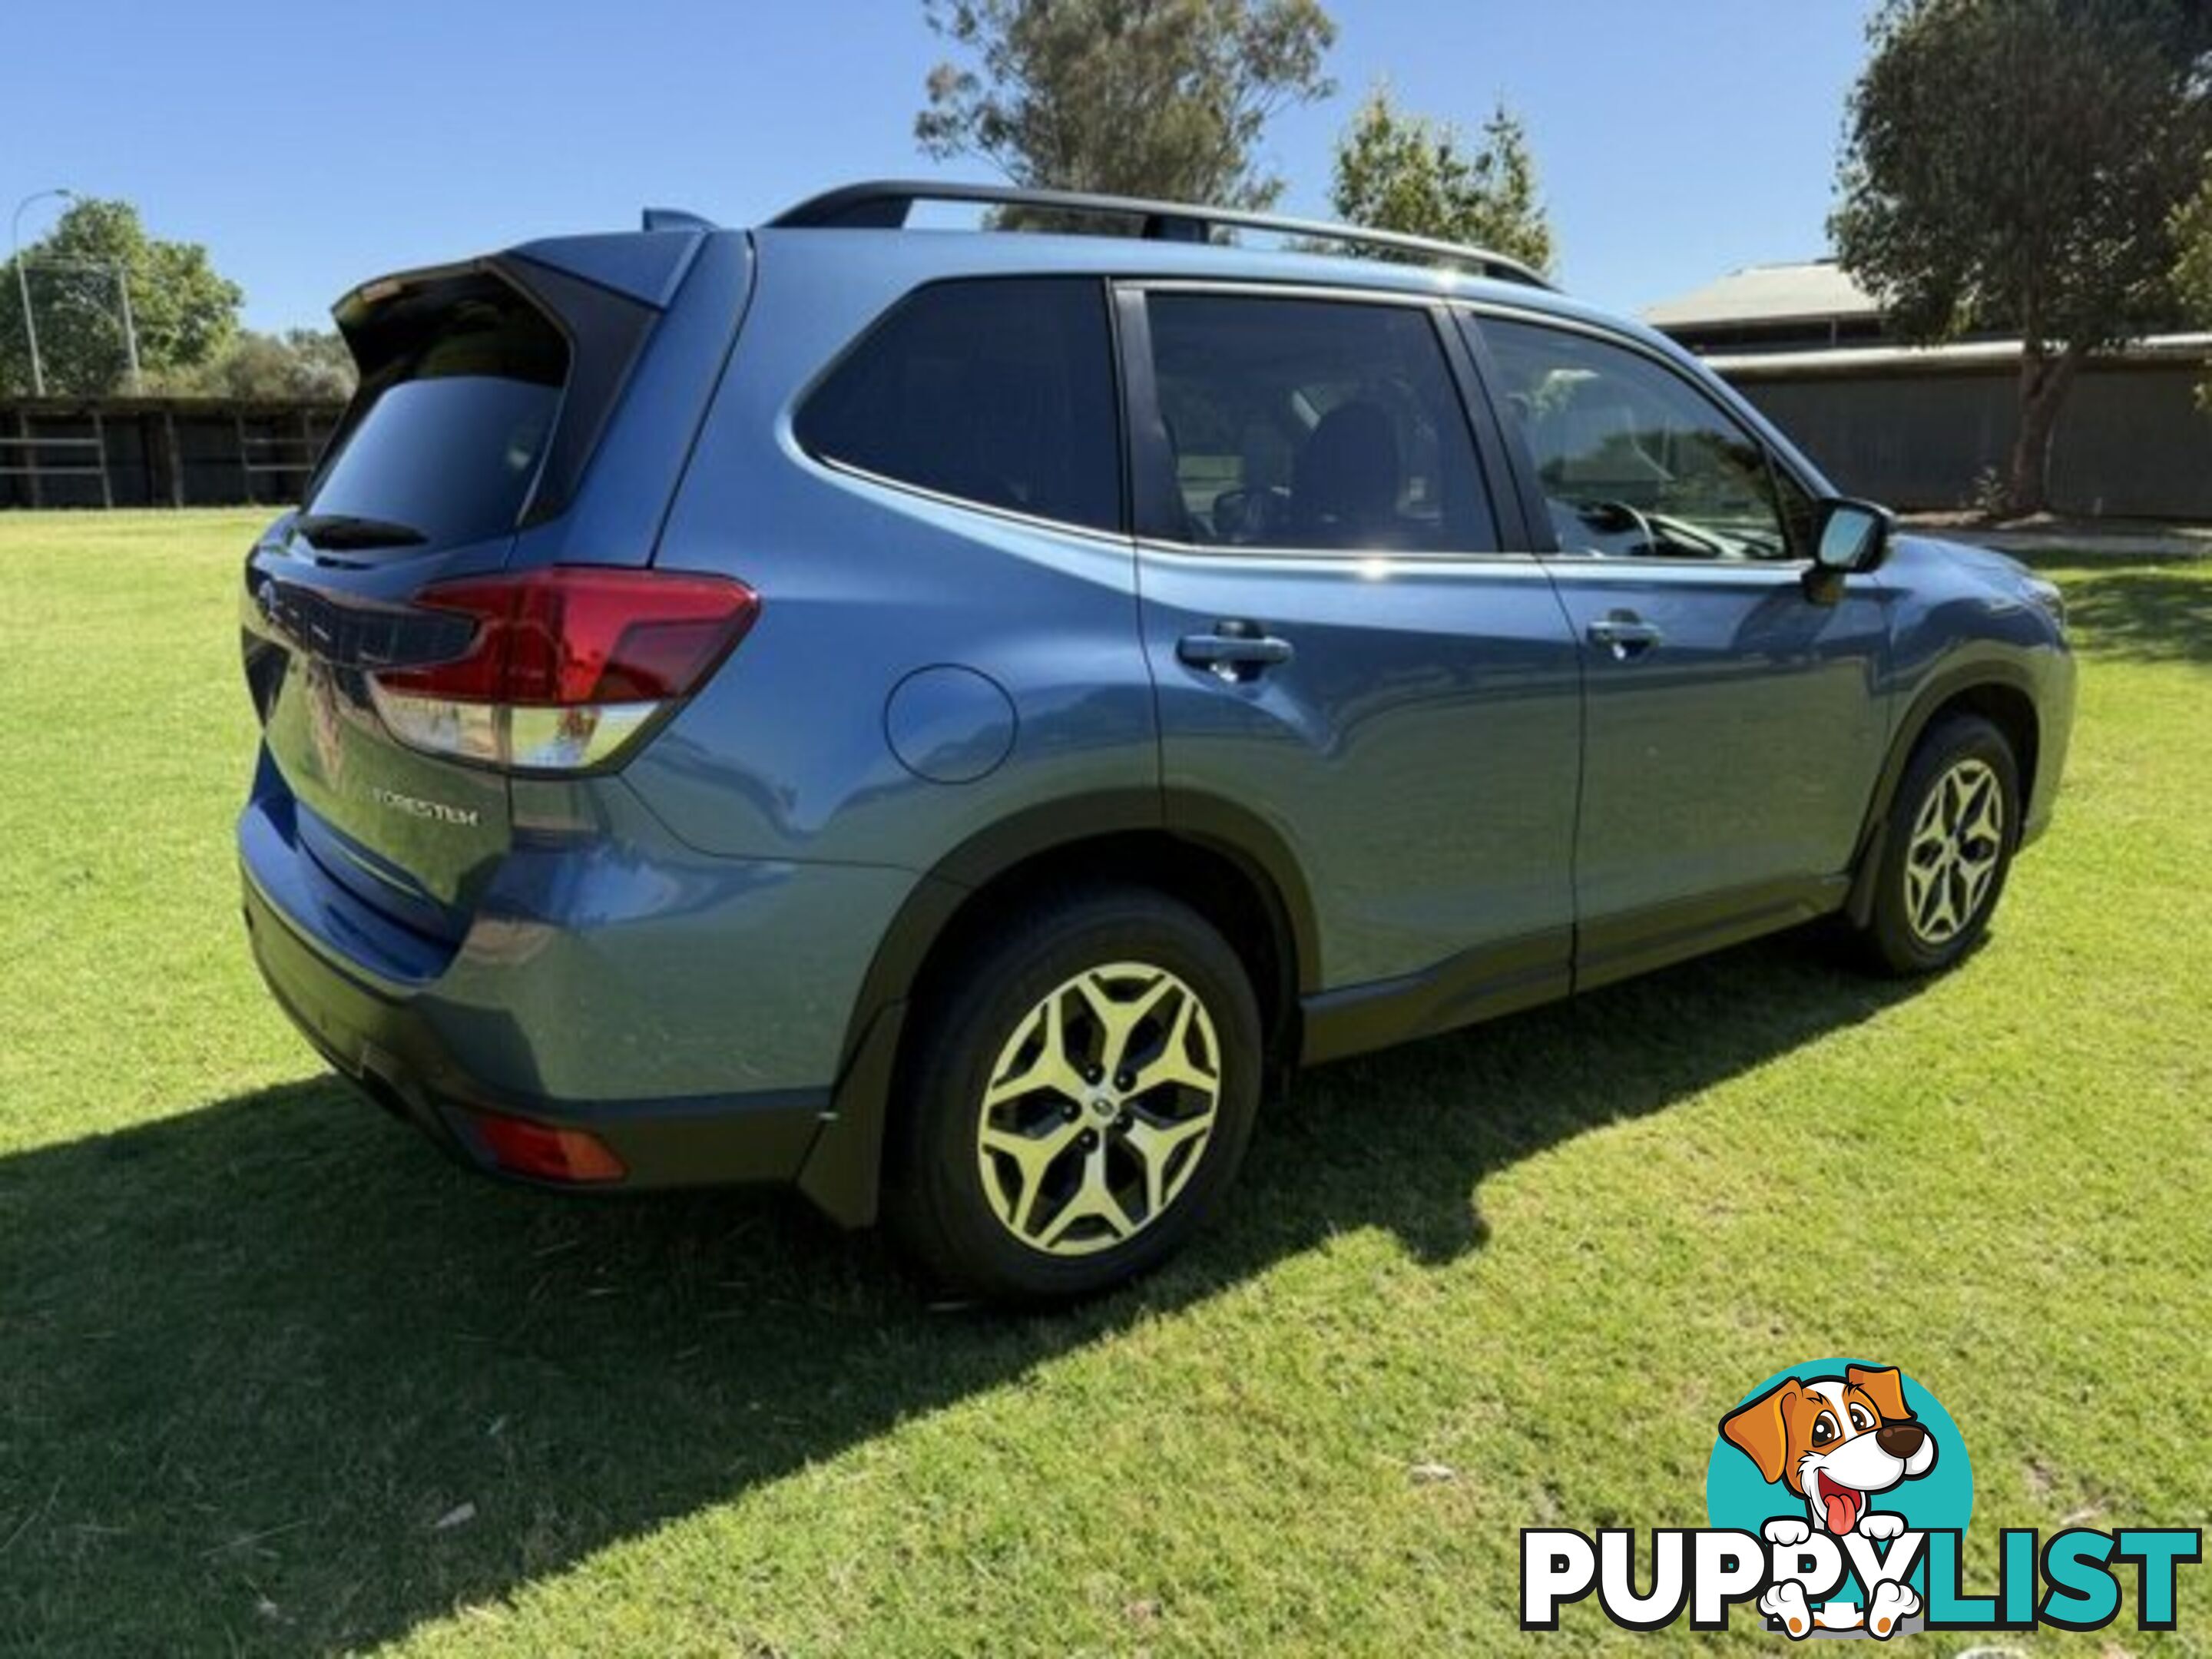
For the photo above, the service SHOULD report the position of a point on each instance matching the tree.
(1158, 98)
(1406, 172)
(2016, 165)
(302, 365)
(184, 310)
(2192, 270)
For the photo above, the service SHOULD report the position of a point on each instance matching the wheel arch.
(1217, 857)
(2000, 692)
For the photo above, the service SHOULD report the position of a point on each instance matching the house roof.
(1960, 356)
(1814, 291)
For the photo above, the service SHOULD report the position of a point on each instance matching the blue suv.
(943, 719)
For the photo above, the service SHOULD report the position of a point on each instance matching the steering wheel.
(1247, 516)
(1621, 512)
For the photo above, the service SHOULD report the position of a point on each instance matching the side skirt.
(1501, 979)
(1474, 985)
(1619, 947)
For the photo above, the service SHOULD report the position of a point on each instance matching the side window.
(1635, 460)
(998, 391)
(1315, 423)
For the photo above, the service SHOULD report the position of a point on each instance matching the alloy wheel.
(1099, 1108)
(1953, 856)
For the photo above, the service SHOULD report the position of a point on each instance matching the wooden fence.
(157, 451)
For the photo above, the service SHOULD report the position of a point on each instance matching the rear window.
(999, 391)
(458, 396)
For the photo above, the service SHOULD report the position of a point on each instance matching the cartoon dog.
(1834, 1442)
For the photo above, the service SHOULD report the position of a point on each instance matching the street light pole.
(130, 327)
(23, 282)
(120, 269)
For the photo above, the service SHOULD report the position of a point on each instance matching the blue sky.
(310, 147)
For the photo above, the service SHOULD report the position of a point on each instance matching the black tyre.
(1078, 1098)
(1946, 849)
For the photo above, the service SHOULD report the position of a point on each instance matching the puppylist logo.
(1838, 1494)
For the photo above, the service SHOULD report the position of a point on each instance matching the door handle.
(1625, 634)
(1236, 650)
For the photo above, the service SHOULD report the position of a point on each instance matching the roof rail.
(885, 203)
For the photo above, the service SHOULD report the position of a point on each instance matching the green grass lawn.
(273, 1376)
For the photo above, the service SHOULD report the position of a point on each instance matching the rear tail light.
(567, 665)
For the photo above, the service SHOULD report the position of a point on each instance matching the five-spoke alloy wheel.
(1081, 1092)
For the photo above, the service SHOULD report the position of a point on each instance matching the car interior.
(1315, 448)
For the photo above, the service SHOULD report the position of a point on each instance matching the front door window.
(1635, 461)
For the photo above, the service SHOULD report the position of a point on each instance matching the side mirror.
(1848, 536)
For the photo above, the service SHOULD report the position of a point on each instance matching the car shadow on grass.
(273, 1375)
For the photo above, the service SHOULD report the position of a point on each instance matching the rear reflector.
(545, 1153)
(567, 664)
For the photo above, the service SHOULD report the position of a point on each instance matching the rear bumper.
(692, 1013)
(390, 1048)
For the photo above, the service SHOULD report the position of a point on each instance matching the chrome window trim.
(1229, 553)
(1267, 288)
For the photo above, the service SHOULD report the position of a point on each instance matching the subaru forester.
(946, 718)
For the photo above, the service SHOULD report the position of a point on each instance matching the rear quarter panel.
(786, 754)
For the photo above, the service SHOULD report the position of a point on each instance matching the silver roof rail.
(885, 203)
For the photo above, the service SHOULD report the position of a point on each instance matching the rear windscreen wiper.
(340, 532)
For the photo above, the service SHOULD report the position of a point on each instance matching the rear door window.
(452, 421)
(1317, 424)
(999, 391)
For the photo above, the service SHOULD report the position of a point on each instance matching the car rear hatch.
(387, 623)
